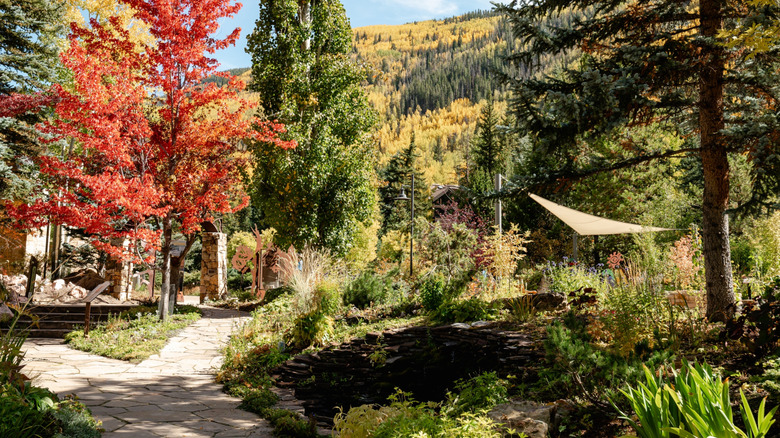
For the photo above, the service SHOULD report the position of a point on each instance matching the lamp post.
(402, 197)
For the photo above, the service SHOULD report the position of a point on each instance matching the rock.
(16, 283)
(78, 292)
(547, 301)
(58, 284)
(5, 313)
(86, 278)
(529, 418)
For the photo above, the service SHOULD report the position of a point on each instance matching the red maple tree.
(94, 178)
(156, 144)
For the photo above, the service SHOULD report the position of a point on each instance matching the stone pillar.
(118, 273)
(213, 268)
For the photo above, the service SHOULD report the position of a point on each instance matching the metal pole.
(46, 251)
(411, 235)
(574, 245)
(498, 204)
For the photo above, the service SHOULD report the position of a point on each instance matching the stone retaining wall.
(422, 360)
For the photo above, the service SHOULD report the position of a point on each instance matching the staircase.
(54, 321)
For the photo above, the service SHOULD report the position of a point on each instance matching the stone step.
(54, 321)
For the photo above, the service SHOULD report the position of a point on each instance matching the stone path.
(172, 394)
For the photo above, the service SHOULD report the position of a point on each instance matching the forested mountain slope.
(428, 78)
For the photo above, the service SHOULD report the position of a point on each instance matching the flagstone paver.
(171, 394)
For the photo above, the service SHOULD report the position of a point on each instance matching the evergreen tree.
(321, 191)
(487, 157)
(396, 174)
(28, 63)
(648, 62)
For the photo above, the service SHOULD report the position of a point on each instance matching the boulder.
(16, 283)
(529, 418)
(86, 278)
(5, 313)
(548, 301)
(78, 292)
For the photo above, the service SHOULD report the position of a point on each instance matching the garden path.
(172, 394)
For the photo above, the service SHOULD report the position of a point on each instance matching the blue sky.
(360, 12)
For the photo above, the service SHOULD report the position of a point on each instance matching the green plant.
(632, 311)
(575, 366)
(20, 420)
(405, 417)
(302, 271)
(473, 309)
(312, 328)
(479, 393)
(134, 337)
(521, 309)
(288, 424)
(378, 357)
(695, 403)
(368, 288)
(432, 292)
(258, 400)
(76, 420)
(758, 327)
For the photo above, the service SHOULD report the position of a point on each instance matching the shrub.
(502, 252)
(313, 328)
(191, 278)
(566, 278)
(758, 327)
(432, 292)
(272, 294)
(20, 420)
(405, 417)
(366, 289)
(288, 424)
(258, 400)
(472, 309)
(76, 420)
(479, 393)
(577, 367)
(633, 311)
(303, 271)
(236, 281)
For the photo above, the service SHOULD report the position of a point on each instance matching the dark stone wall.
(422, 360)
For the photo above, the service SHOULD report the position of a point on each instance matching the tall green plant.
(695, 403)
(320, 192)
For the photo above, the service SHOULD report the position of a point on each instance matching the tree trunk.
(164, 307)
(304, 18)
(172, 267)
(715, 167)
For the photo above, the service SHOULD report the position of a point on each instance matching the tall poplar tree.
(644, 62)
(321, 191)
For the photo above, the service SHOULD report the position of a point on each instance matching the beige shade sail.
(589, 225)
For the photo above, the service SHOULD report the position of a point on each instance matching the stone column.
(213, 268)
(118, 273)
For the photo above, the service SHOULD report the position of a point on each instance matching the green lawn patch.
(133, 335)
